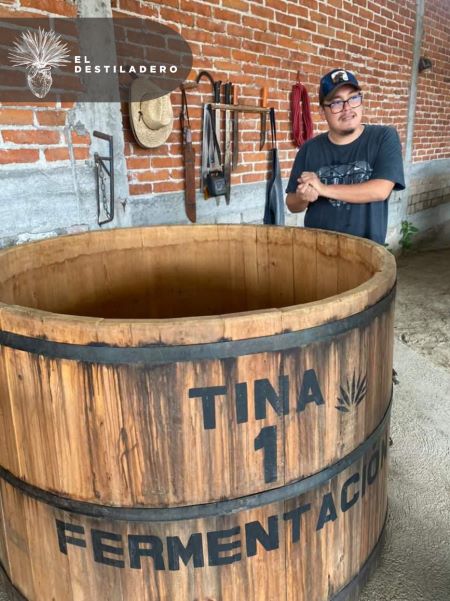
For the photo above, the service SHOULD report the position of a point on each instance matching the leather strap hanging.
(189, 160)
(213, 181)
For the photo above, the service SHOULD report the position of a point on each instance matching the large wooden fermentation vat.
(194, 413)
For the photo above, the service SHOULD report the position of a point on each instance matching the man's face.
(349, 119)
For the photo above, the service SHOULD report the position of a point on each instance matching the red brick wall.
(38, 133)
(432, 126)
(256, 43)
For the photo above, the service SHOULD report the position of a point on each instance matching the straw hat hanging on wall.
(151, 118)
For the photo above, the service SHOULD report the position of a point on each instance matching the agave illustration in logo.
(39, 52)
(352, 394)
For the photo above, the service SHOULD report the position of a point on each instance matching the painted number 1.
(267, 440)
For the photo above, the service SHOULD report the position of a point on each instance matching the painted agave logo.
(352, 393)
(39, 52)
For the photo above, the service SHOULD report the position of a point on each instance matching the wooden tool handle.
(264, 97)
(235, 94)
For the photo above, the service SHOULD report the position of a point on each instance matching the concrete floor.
(415, 561)
(423, 304)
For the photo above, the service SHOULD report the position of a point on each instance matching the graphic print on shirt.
(350, 173)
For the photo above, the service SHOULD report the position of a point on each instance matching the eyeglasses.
(337, 106)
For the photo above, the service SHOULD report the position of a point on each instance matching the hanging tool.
(213, 179)
(302, 125)
(262, 139)
(235, 129)
(217, 86)
(189, 160)
(274, 209)
(210, 136)
(104, 205)
(227, 158)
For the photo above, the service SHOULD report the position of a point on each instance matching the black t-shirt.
(376, 154)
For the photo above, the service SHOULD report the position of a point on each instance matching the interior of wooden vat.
(171, 271)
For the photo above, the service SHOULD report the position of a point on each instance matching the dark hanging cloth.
(274, 209)
(302, 125)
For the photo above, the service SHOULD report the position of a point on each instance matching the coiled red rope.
(302, 125)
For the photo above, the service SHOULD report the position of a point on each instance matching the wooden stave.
(295, 572)
(232, 326)
(367, 300)
(51, 475)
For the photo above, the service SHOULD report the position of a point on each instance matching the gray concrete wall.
(43, 200)
(425, 204)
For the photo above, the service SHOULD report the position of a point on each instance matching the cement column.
(412, 102)
(105, 117)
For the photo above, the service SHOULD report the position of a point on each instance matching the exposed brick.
(263, 11)
(142, 9)
(16, 117)
(132, 6)
(313, 4)
(227, 66)
(227, 15)
(81, 153)
(271, 61)
(57, 154)
(286, 19)
(137, 189)
(198, 8)
(138, 163)
(210, 25)
(217, 51)
(54, 7)
(239, 5)
(431, 114)
(161, 162)
(256, 24)
(254, 47)
(249, 42)
(30, 136)
(175, 16)
(249, 178)
(80, 138)
(24, 155)
(227, 41)
(51, 117)
(151, 176)
(168, 186)
(305, 24)
(244, 57)
(281, 29)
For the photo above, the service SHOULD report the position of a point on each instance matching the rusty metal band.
(159, 354)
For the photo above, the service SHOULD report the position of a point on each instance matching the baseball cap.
(334, 80)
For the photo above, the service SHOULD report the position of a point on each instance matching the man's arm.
(371, 191)
(299, 200)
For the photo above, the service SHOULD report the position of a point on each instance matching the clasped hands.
(309, 187)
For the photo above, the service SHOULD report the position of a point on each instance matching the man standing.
(344, 177)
